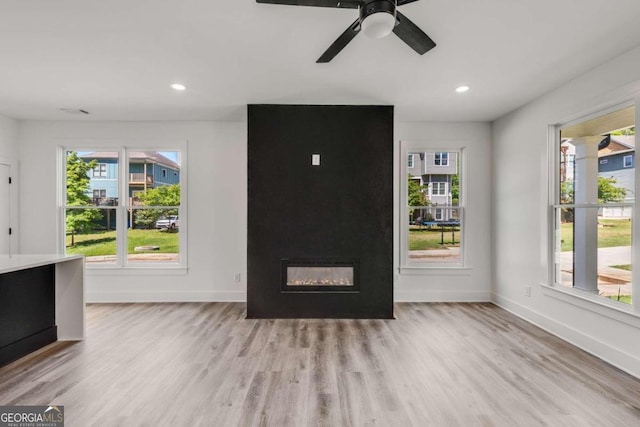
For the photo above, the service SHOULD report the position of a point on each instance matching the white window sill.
(146, 270)
(608, 308)
(433, 270)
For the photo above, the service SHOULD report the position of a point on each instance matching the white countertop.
(9, 263)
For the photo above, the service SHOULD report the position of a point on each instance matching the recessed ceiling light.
(462, 88)
(178, 86)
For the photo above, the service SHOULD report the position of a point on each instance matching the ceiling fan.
(377, 18)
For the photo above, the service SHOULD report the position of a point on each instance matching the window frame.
(438, 157)
(101, 169)
(406, 266)
(124, 204)
(624, 161)
(609, 307)
(441, 185)
(410, 161)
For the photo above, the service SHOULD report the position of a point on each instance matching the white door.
(5, 209)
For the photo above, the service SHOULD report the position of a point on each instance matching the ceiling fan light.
(378, 25)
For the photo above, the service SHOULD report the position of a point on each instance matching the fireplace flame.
(323, 282)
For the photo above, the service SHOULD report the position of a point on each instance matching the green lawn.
(611, 232)
(623, 267)
(623, 298)
(424, 238)
(104, 242)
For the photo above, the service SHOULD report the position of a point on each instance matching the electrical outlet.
(527, 291)
(236, 277)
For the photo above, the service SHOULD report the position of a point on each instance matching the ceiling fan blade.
(402, 2)
(341, 42)
(412, 35)
(348, 4)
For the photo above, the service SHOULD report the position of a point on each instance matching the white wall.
(217, 199)
(9, 156)
(8, 138)
(520, 184)
(474, 282)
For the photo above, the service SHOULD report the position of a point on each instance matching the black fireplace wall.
(340, 209)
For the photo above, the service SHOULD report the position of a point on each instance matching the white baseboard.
(196, 296)
(442, 296)
(241, 296)
(627, 362)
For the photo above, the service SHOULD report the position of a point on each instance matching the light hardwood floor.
(193, 364)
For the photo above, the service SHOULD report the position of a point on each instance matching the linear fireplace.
(319, 275)
(320, 211)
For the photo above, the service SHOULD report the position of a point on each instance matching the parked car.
(169, 222)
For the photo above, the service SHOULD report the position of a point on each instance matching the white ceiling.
(117, 58)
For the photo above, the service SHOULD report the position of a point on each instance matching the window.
(164, 173)
(593, 207)
(100, 170)
(410, 161)
(439, 188)
(98, 196)
(628, 161)
(134, 221)
(432, 213)
(441, 159)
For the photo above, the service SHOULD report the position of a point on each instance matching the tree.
(455, 190)
(166, 195)
(607, 191)
(566, 192)
(79, 220)
(626, 132)
(416, 195)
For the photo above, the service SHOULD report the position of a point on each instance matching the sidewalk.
(445, 254)
(611, 281)
(161, 257)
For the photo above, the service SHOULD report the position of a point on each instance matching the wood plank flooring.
(204, 364)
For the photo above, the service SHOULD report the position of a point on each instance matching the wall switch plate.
(315, 159)
(236, 277)
(527, 291)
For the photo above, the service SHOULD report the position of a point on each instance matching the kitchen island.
(41, 301)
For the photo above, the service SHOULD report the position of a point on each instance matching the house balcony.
(140, 179)
(105, 201)
(136, 201)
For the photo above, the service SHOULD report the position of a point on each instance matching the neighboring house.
(147, 169)
(434, 171)
(616, 160)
